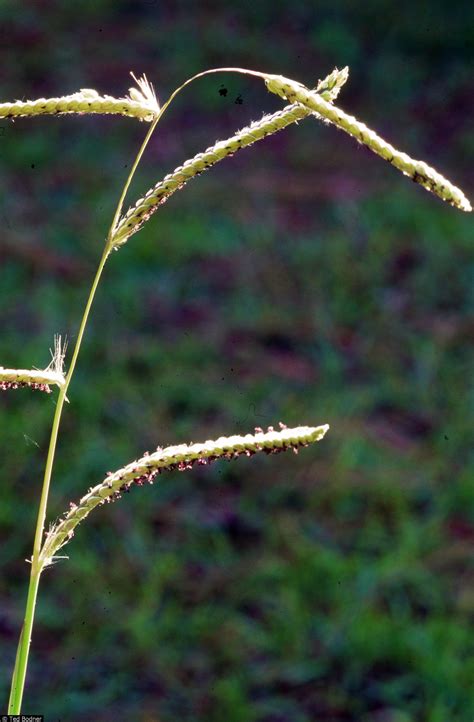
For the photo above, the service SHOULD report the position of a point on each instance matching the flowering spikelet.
(330, 87)
(180, 457)
(144, 94)
(35, 378)
(419, 171)
(141, 104)
(136, 216)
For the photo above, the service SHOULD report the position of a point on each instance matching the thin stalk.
(21, 661)
(130, 176)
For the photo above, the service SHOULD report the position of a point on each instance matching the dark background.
(303, 280)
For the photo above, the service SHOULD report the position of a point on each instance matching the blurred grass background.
(302, 280)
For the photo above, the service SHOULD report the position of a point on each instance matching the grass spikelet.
(35, 378)
(419, 171)
(180, 457)
(330, 87)
(141, 103)
(144, 94)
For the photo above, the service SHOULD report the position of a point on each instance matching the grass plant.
(142, 104)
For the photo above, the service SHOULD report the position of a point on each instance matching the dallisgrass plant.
(141, 103)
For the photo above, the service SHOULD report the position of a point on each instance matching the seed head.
(180, 458)
(419, 171)
(141, 104)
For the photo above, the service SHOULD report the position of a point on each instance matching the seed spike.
(145, 94)
(141, 104)
(419, 171)
(181, 458)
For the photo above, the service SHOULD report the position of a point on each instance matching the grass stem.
(21, 662)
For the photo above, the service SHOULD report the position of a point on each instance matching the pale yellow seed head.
(420, 172)
(180, 457)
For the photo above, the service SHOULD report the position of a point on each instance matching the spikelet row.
(40, 380)
(36, 378)
(141, 104)
(419, 171)
(180, 457)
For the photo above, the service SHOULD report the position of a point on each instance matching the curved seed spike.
(141, 104)
(179, 457)
(419, 171)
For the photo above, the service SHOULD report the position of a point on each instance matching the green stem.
(21, 661)
(130, 176)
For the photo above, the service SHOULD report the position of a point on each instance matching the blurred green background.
(303, 280)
